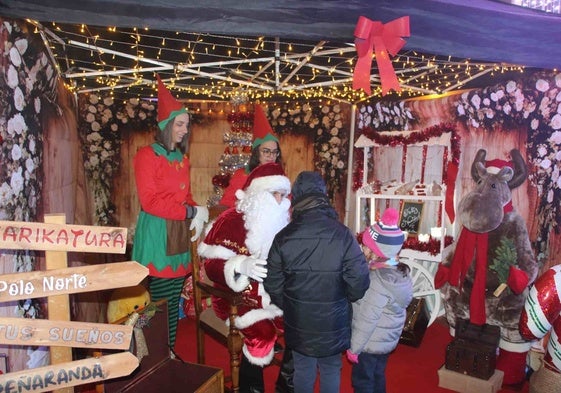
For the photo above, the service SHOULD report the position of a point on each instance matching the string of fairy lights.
(124, 61)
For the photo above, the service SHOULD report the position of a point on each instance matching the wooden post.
(58, 306)
(57, 282)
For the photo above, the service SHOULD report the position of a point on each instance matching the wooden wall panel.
(298, 154)
(125, 196)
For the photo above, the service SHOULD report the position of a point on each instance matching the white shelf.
(419, 192)
(421, 255)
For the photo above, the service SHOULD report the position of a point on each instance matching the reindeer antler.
(479, 157)
(520, 169)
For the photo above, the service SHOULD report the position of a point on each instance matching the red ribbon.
(375, 36)
(452, 174)
(471, 246)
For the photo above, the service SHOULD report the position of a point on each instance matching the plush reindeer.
(486, 278)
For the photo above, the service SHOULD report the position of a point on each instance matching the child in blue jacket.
(379, 317)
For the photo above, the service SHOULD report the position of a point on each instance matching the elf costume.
(164, 191)
(262, 132)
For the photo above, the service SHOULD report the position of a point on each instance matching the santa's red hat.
(168, 106)
(494, 166)
(262, 130)
(266, 177)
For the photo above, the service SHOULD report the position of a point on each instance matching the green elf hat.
(262, 130)
(168, 105)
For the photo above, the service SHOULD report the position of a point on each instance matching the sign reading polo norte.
(34, 284)
(63, 281)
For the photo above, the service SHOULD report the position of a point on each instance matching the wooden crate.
(465, 384)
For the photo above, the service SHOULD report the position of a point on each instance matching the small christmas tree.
(236, 152)
(505, 257)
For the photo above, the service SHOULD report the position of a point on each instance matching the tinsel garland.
(358, 169)
(412, 243)
(432, 246)
(241, 121)
(221, 180)
(410, 139)
(236, 117)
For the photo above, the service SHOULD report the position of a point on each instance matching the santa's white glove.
(253, 268)
(198, 222)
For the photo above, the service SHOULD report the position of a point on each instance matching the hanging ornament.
(239, 97)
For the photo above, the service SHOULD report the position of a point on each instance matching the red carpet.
(409, 369)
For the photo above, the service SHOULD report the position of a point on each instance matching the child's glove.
(353, 357)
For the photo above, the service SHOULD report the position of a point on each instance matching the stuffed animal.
(486, 278)
(128, 302)
(542, 316)
(125, 301)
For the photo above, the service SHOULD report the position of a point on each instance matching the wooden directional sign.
(25, 331)
(17, 235)
(54, 377)
(35, 284)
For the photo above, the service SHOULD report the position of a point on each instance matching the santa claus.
(236, 248)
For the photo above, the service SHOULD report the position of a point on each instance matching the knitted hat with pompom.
(385, 238)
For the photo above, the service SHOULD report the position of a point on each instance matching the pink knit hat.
(385, 238)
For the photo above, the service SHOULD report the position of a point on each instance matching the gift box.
(471, 358)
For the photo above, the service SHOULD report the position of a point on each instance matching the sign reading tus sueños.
(38, 332)
(56, 237)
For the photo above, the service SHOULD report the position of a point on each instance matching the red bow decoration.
(373, 35)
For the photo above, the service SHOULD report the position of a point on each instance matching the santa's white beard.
(264, 218)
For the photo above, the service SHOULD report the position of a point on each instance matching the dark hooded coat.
(315, 270)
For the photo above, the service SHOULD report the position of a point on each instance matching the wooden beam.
(58, 307)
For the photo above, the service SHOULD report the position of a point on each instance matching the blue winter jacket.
(315, 270)
(379, 317)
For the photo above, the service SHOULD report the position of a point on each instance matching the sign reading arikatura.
(70, 280)
(55, 237)
(68, 374)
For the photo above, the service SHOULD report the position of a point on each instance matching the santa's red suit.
(240, 236)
